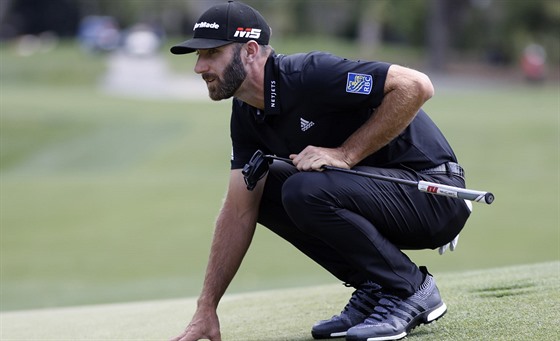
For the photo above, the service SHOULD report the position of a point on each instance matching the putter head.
(255, 170)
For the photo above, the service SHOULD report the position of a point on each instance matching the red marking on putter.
(432, 189)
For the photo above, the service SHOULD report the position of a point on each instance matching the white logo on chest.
(305, 124)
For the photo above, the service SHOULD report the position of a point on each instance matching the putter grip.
(456, 192)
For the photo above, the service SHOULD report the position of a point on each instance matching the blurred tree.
(529, 22)
(438, 35)
(167, 13)
(36, 16)
(371, 20)
(443, 20)
(493, 31)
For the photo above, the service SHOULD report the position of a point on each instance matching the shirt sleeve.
(343, 83)
(242, 131)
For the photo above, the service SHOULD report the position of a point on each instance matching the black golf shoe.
(360, 306)
(393, 317)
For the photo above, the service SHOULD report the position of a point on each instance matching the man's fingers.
(192, 335)
(306, 161)
(314, 158)
(454, 242)
(178, 338)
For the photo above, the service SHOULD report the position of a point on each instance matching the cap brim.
(194, 44)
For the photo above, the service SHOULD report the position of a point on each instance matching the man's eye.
(207, 52)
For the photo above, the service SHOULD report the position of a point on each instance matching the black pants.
(355, 227)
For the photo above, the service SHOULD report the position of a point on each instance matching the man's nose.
(201, 66)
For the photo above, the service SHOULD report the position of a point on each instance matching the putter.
(258, 166)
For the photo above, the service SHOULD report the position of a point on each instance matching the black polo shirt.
(319, 99)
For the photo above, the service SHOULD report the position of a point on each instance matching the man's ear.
(252, 49)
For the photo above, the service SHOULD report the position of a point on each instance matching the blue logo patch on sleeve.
(358, 83)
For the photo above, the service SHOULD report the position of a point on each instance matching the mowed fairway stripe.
(107, 148)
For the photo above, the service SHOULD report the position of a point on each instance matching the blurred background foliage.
(488, 31)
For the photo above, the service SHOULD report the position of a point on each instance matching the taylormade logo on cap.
(224, 24)
(204, 24)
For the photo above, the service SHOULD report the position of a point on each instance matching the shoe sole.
(425, 318)
(435, 314)
(328, 336)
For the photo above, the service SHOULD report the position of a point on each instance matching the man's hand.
(204, 325)
(313, 158)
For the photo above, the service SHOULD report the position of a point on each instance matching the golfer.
(319, 109)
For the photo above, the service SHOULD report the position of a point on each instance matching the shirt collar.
(271, 85)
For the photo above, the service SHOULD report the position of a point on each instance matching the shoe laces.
(367, 290)
(388, 303)
(385, 306)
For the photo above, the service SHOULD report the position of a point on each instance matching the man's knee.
(306, 194)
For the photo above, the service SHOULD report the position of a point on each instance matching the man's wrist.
(347, 156)
(205, 303)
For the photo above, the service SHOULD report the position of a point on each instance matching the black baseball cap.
(224, 24)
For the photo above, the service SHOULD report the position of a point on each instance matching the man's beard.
(234, 75)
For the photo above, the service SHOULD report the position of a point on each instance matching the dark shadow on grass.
(499, 291)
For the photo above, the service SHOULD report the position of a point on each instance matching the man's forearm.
(229, 246)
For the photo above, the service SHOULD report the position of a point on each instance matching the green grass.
(65, 66)
(510, 303)
(106, 199)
